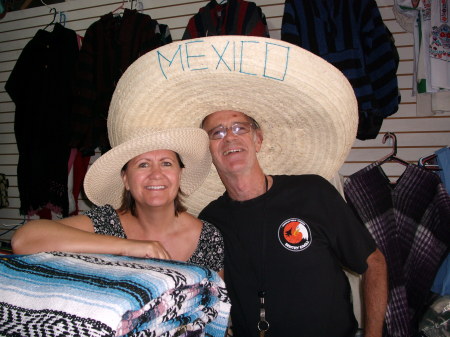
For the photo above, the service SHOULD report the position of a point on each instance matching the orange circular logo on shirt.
(294, 234)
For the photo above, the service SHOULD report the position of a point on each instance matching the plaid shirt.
(410, 224)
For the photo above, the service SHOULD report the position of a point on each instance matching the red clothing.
(236, 17)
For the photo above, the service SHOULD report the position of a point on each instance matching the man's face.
(233, 153)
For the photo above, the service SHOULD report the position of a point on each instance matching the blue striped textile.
(351, 35)
(65, 294)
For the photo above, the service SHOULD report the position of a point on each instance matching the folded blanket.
(63, 294)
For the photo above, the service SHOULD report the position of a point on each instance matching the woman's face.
(153, 178)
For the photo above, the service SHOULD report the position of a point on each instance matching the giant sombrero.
(305, 106)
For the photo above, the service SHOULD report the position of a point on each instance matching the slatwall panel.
(417, 136)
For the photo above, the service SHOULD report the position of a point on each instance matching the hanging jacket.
(235, 17)
(40, 85)
(351, 35)
(110, 45)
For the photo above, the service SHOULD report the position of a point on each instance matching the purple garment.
(409, 221)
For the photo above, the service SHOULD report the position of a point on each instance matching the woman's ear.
(125, 180)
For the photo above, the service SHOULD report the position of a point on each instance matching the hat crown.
(129, 134)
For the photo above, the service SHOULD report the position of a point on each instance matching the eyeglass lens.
(238, 128)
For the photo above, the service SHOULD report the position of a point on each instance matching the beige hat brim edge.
(103, 182)
(309, 118)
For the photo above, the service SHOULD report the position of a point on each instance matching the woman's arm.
(76, 234)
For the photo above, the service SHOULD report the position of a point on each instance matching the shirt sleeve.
(210, 249)
(106, 221)
(350, 240)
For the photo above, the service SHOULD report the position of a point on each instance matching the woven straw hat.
(103, 182)
(305, 106)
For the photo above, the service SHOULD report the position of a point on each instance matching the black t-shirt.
(291, 242)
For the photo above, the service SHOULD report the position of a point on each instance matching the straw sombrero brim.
(103, 182)
(305, 106)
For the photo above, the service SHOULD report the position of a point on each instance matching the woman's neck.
(159, 221)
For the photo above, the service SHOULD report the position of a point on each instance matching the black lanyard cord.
(263, 325)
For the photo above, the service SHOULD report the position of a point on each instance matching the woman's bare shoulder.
(82, 222)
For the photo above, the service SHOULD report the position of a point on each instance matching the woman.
(138, 186)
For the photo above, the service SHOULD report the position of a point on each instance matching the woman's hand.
(145, 249)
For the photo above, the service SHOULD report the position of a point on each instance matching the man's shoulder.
(215, 207)
(305, 184)
(293, 180)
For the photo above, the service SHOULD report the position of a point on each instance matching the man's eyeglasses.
(238, 128)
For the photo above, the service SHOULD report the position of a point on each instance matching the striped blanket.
(63, 294)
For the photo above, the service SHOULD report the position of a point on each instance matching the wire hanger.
(139, 6)
(62, 18)
(42, 2)
(393, 155)
(51, 8)
(54, 11)
(122, 6)
(426, 163)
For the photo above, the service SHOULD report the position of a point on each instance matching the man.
(281, 122)
(294, 267)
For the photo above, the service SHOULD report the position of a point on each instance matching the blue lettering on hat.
(230, 59)
(286, 61)
(188, 56)
(242, 57)
(178, 51)
(221, 56)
